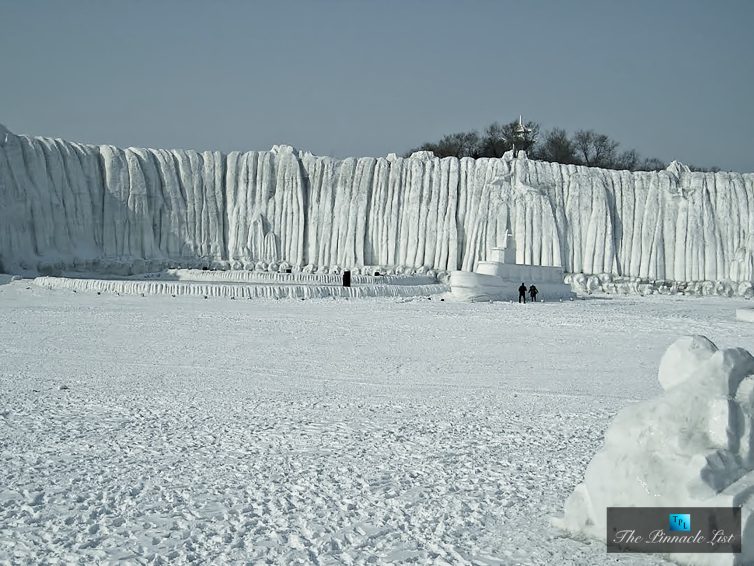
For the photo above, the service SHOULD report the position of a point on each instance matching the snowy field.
(168, 430)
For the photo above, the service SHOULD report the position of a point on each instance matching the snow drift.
(692, 446)
(67, 205)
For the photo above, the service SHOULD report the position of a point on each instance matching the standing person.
(533, 293)
(522, 294)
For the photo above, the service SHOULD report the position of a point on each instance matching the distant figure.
(533, 293)
(522, 294)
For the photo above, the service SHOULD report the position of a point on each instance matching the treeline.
(584, 147)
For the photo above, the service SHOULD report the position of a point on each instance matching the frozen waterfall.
(76, 206)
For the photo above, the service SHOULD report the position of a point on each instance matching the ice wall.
(71, 205)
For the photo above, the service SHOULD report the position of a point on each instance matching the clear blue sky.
(673, 79)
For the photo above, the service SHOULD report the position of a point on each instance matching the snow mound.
(682, 358)
(690, 446)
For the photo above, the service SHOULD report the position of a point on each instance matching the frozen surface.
(745, 314)
(69, 205)
(325, 430)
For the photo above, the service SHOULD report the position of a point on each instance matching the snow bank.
(612, 285)
(691, 446)
(64, 204)
(235, 291)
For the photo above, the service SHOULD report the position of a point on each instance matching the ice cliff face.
(81, 206)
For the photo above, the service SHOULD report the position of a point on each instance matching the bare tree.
(628, 160)
(595, 150)
(496, 140)
(461, 144)
(585, 147)
(557, 147)
(651, 164)
(704, 169)
(499, 138)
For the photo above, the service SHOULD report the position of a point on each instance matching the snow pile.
(66, 203)
(691, 446)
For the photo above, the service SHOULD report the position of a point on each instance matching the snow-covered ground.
(323, 431)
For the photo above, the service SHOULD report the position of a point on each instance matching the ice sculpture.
(691, 446)
(67, 205)
(498, 277)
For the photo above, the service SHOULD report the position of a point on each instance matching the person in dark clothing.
(533, 293)
(522, 294)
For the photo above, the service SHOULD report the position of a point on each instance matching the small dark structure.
(346, 278)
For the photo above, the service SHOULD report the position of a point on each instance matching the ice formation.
(692, 446)
(72, 206)
(496, 278)
(269, 290)
(287, 278)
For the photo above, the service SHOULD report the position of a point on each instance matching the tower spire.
(520, 133)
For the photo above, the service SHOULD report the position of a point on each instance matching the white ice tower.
(499, 276)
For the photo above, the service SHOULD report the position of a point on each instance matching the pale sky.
(673, 79)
